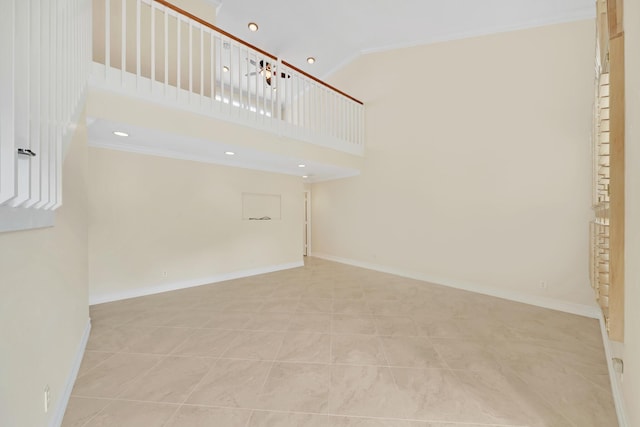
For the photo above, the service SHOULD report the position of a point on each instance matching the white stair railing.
(153, 49)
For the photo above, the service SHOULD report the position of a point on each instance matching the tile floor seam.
(86, 423)
(543, 397)
(442, 358)
(131, 382)
(331, 342)
(384, 351)
(173, 415)
(248, 423)
(273, 363)
(214, 363)
(99, 363)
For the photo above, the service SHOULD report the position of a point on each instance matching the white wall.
(43, 301)
(150, 215)
(631, 378)
(478, 166)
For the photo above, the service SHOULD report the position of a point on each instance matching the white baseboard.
(616, 387)
(174, 286)
(565, 306)
(63, 400)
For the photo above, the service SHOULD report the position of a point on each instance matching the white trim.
(554, 304)
(15, 219)
(63, 401)
(616, 388)
(140, 292)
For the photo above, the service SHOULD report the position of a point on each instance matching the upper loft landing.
(158, 53)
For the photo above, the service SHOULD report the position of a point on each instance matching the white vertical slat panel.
(123, 43)
(138, 41)
(288, 85)
(362, 127)
(50, 113)
(166, 51)
(153, 46)
(190, 59)
(34, 110)
(107, 38)
(220, 69)
(353, 121)
(201, 65)
(316, 101)
(239, 74)
(55, 110)
(46, 56)
(212, 71)
(232, 67)
(7, 113)
(178, 57)
(248, 83)
(278, 96)
(21, 102)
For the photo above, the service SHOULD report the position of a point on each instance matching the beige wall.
(477, 167)
(631, 379)
(151, 214)
(43, 301)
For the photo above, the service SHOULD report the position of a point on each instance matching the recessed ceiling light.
(302, 166)
(253, 26)
(311, 60)
(229, 153)
(305, 176)
(225, 69)
(120, 133)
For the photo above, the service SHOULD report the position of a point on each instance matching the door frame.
(306, 225)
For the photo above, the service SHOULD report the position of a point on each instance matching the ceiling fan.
(268, 70)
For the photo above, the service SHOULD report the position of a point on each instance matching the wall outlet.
(47, 398)
(544, 285)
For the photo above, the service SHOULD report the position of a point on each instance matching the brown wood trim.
(239, 40)
(614, 12)
(617, 188)
(315, 79)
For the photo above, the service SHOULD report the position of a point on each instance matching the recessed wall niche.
(261, 207)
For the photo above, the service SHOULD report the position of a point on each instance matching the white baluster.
(123, 43)
(179, 57)
(190, 27)
(153, 46)
(138, 42)
(107, 38)
(166, 51)
(201, 64)
(34, 113)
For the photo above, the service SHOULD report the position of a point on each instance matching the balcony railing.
(153, 49)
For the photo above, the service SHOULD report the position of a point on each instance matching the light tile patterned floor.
(334, 345)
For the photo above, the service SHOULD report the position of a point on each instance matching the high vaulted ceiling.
(337, 31)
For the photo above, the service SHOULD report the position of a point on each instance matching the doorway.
(306, 225)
